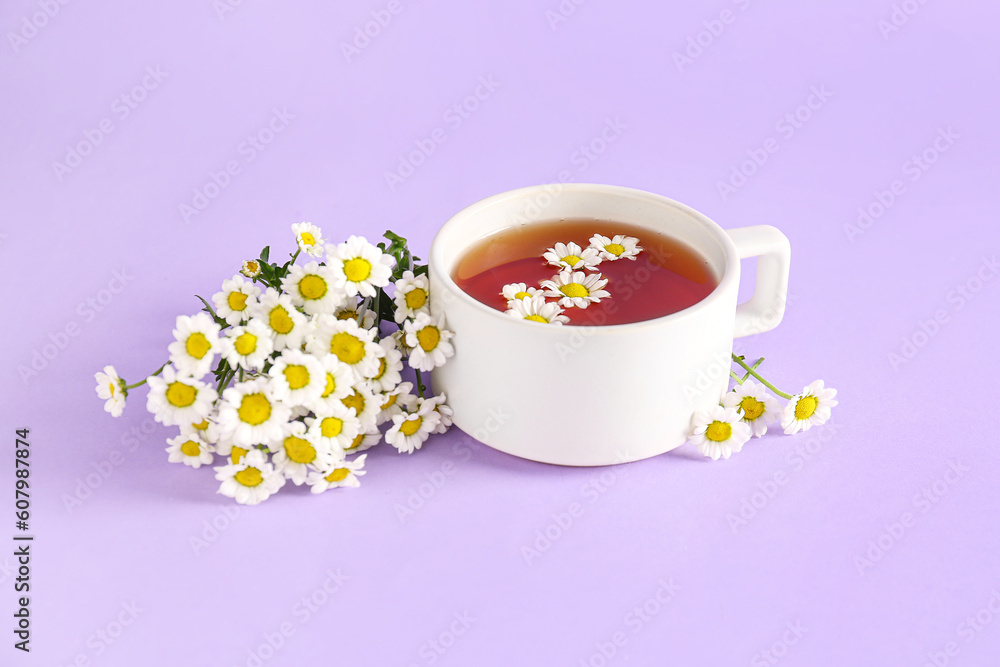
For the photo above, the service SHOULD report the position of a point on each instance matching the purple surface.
(856, 298)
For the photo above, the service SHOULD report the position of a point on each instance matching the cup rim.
(436, 261)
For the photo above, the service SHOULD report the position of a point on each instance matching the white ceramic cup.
(597, 395)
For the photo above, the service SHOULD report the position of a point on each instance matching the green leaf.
(264, 254)
(208, 309)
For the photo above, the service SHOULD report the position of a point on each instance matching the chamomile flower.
(297, 378)
(312, 287)
(364, 403)
(359, 267)
(409, 431)
(249, 413)
(517, 291)
(206, 429)
(338, 473)
(309, 237)
(111, 388)
(348, 341)
(758, 406)
(247, 346)
(429, 342)
(576, 288)
(250, 268)
(390, 365)
(296, 453)
(618, 247)
(236, 300)
(536, 309)
(412, 296)
(444, 412)
(338, 382)
(196, 344)
(189, 450)
(235, 453)
(364, 440)
(286, 325)
(353, 312)
(176, 399)
(334, 429)
(719, 432)
(810, 407)
(572, 256)
(393, 402)
(251, 481)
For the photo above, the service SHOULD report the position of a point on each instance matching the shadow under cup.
(584, 395)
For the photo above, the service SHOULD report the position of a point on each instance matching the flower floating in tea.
(303, 372)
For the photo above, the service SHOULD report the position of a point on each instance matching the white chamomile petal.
(366, 439)
(576, 288)
(412, 296)
(313, 288)
(810, 407)
(176, 399)
(236, 301)
(196, 344)
(445, 413)
(309, 238)
(338, 473)
(206, 429)
(298, 452)
(297, 378)
(286, 325)
(111, 388)
(618, 247)
(536, 309)
(572, 256)
(359, 267)
(429, 342)
(719, 432)
(338, 382)
(190, 450)
(249, 414)
(390, 366)
(247, 346)
(758, 406)
(251, 481)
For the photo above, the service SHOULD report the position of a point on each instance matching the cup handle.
(766, 307)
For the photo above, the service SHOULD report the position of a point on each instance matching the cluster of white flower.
(570, 288)
(314, 376)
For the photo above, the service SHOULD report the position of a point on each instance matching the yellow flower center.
(237, 454)
(347, 315)
(246, 343)
(411, 426)
(249, 477)
(391, 401)
(197, 345)
(307, 238)
(571, 260)
(296, 376)
(356, 401)
(416, 298)
(718, 431)
(428, 337)
(331, 427)
(574, 290)
(191, 448)
(254, 409)
(312, 287)
(382, 367)
(299, 450)
(615, 249)
(280, 321)
(181, 395)
(752, 408)
(237, 300)
(522, 295)
(349, 349)
(337, 475)
(201, 426)
(252, 267)
(111, 388)
(357, 269)
(356, 442)
(537, 318)
(331, 385)
(805, 407)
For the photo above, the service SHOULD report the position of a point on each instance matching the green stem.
(420, 384)
(754, 373)
(295, 256)
(139, 384)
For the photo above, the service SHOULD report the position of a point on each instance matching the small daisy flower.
(354, 312)
(412, 296)
(758, 406)
(810, 407)
(111, 388)
(236, 300)
(247, 346)
(576, 288)
(396, 401)
(444, 412)
(409, 431)
(359, 267)
(364, 440)
(349, 342)
(338, 382)
(286, 324)
(390, 365)
(297, 378)
(364, 403)
(251, 481)
(619, 247)
(311, 287)
(517, 291)
(249, 413)
(206, 429)
(309, 237)
(429, 342)
(536, 309)
(250, 268)
(719, 432)
(196, 344)
(334, 429)
(189, 450)
(235, 453)
(176, 399)
(338, 473)
(572, 256)
(297, 453)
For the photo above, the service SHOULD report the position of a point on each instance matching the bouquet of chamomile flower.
(291, 369)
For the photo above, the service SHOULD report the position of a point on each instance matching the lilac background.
(897, 431)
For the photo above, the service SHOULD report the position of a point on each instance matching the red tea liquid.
(666, 277)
